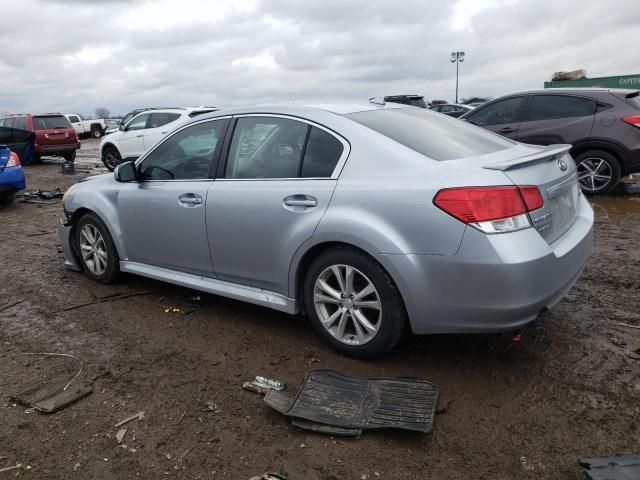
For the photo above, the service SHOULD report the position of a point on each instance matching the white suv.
(142, 132)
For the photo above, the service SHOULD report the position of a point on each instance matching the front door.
(277, 184)
(131, 141)
(502, 117)
(163, 214)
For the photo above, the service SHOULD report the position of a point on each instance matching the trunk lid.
(553, 171)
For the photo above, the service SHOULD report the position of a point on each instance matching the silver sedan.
(371, 219)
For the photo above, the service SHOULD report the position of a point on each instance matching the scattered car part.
(53, 396)
(328, 397)
(135, 416)
(262, 385)
(622, 467)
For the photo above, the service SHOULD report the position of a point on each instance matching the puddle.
(623, 203)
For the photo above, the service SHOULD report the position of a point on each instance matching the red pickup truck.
(54, 134)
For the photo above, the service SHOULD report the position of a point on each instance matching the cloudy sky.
(75, 55)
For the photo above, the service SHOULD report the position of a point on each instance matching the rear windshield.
(431, 134)
(633, 99)
(46, 123)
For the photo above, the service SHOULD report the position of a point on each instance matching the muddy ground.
(518, 410)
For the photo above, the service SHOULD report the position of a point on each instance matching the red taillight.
(633, 120)
(14, 160)
(532, 198)
(491, 209)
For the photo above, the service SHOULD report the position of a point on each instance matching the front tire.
(354, 304)
(96, 250)
(598, 172)
(111, 158)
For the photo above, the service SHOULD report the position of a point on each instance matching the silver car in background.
(371, 219)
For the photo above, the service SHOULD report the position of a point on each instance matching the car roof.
(576, 90)
(303, 108)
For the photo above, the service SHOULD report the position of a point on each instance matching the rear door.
(502, 116)
(158, 126)
(131, 139)
(275, 186)
(19, 141)
(555, 118)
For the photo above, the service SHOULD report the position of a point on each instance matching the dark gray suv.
(601, 124)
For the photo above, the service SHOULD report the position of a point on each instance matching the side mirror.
(125, 172)
(121, 127)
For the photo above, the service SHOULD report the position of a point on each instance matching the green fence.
(621, 81)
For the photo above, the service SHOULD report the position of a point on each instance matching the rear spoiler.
(545, 154)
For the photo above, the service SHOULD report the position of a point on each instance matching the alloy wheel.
(93, 249)
(112, 159)
(594, 174)
(348, 304)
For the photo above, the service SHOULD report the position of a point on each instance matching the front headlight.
(66, 194)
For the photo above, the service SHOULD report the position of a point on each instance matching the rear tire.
(111, 158)
(96, 250)
(7, 198)
(70, 157)
(96, 133)
(357, 325)
(598, 172)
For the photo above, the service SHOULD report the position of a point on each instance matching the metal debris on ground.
(110, 298)
(44, 197)
(172, 310)
(139, 416)
(120, 435)
(278, 475)
(330, 398)
(11, 305)
(622, 467)
(56, 394)
(262, 385)
(7, 469)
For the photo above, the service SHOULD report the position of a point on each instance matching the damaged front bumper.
(64, 233)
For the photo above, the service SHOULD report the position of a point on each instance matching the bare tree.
(102, 112)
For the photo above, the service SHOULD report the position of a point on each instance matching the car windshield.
(417, 102)
(46, 123)
(436, 136)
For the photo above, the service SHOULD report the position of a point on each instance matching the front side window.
(187, 155)
(266, 147)
(161, 118)
(503, 111)
(544, 107)
(138, 123)
(438, 137)
(73, 119)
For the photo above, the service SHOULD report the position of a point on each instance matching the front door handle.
(139, 136)
(300, 202)
(507, 130)
(190, 199)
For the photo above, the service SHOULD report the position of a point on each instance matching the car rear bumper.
(12, 179)
(64, 233)
(495, 282)
(51, 149)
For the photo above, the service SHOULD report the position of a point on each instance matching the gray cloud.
(76, 55)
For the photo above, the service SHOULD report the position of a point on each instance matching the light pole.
(457, 58)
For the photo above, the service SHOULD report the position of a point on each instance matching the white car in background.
(143, 131)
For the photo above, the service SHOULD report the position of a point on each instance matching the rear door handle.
(507, 130)
(190, 199)
(304, 201)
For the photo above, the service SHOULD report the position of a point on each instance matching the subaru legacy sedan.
(371, 219)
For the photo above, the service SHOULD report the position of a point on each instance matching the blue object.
(11, 178)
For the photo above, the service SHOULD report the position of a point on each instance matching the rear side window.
(433, 135)
(321, 154)
(47, 123)
(6, 122)
(545, 107)
(497, 113)
(159, 119)
(20, 122)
